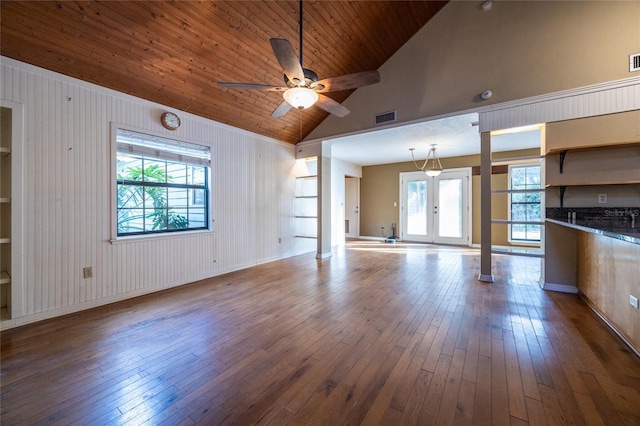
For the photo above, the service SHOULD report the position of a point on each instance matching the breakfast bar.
(601, 258)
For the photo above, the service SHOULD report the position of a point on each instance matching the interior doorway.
(435, 209)
(351, 207)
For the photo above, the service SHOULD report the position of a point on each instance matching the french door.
(435, 209)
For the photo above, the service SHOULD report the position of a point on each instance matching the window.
(162, 184)
(525, 206)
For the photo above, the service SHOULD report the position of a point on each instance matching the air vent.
(386, 117)
(634, 62)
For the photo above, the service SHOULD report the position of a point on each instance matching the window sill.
(154, 237)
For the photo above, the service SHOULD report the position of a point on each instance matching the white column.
(324, 207)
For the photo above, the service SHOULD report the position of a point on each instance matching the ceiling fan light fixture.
(300, 97)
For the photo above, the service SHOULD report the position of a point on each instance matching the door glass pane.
(450, 208)
(417, 207)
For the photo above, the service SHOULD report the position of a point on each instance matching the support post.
(485, 208)
(324, 207)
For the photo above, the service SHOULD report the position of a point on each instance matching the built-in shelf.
(5, 150)
(519, 252)
(5, 240)
(4, 200)
(517, 222)
(5, 278)
(306, 205)
(560, 185)
(592, 147)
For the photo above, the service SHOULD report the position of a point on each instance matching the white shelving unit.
(5, 214)
(306, 206)
(520, 250)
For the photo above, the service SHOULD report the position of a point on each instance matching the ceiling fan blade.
(253, 86)
(331, 106)
(348, 81)
(287, 59)
(281, 110)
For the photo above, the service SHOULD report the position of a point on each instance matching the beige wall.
(517, 49)
(604, 130)
(590, 172)
(380, 187)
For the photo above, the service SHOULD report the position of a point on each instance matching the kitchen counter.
(631, 235)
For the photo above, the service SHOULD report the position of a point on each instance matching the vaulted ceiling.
(174, 52)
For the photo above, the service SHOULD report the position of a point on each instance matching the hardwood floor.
(378, 334)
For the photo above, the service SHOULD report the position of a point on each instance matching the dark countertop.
(631, 235)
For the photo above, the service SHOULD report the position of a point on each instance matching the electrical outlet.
(87, 272)
(602, 198)
(633, 301)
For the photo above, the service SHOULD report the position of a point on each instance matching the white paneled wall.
(600, 99)
(68, 205)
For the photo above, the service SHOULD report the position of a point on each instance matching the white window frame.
(115, 238)
(509, 208)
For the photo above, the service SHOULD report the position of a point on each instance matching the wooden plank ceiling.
(175, 52)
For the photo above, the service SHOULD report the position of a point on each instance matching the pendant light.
(431, 166)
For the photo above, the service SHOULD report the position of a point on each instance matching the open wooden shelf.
(593, 147)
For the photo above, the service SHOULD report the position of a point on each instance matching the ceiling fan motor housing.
(310, 77)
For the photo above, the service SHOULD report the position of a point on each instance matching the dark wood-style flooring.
(378, 334)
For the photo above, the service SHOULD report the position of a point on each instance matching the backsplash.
(598, 217)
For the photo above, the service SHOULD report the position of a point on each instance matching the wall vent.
(385, 117)
(634, 62)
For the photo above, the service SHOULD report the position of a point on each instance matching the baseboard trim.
(486, 278)
(562, 288)
(610, 325)
(323, 255)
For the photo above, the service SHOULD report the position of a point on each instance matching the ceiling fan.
(302, 88)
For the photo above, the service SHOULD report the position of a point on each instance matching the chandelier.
(431, 166)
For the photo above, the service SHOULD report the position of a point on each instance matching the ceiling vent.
(386, 117)
(634, 62)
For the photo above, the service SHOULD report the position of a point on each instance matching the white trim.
(361, 237)
(324, 255)
(562, 288)
(486, 278)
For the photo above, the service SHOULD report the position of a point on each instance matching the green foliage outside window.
(133, 197)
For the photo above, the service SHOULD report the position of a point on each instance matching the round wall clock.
(170, 120)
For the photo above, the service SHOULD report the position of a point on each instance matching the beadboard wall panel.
(68, 198)
(600, 99)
